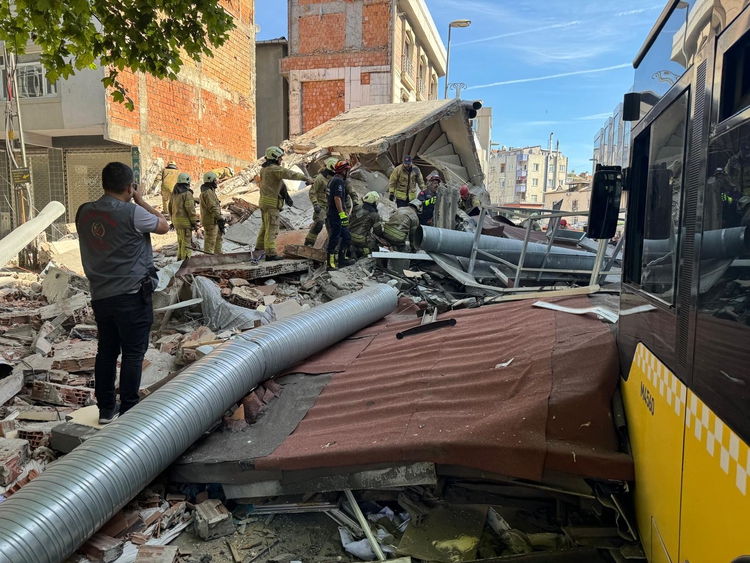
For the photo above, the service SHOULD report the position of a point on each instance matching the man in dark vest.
(114, 236)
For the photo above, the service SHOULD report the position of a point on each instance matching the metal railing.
(407, 66)
(421, 88)
(533, 215)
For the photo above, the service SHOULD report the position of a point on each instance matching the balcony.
(407, 72)
(520, 188)
(421, 90)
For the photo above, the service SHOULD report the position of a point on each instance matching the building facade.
(344, 54)
(575, 197)
(272, 94)
(612, 142)
(525, 175)
(202, 120)
(482, 126)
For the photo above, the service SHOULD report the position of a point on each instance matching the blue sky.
(513, 55)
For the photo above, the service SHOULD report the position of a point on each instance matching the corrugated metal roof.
(439, 397)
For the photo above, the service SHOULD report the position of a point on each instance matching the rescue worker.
(182, 211)
(405, 183)
(213, 222)
(738, 168)
(339, 238)
(730, 197)
(402, 226)
(272, 197)
(319, 198)
(428, 197)
(223, 173)
(468, 202)
(363, 220)
(168, 180)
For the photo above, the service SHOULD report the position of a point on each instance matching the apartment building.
(344, 54)
(202, 120)
(575, 196)
(524, 175)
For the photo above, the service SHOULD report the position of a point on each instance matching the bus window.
(663, 201)
(722, 349)
(735, 88)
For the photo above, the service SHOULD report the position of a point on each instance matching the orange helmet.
(341, 167)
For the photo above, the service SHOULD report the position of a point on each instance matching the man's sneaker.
(107, 416)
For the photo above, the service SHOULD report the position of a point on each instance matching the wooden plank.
(302, 251)
(588, 290)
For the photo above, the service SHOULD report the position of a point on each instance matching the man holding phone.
(115, 240)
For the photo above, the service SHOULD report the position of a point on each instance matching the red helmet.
(464, 191)
(563, 223)
(341, 167)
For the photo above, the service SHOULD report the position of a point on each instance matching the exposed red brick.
(335, 60)
(376, 20)
(322, 101)
(365, 78)
(322, 32)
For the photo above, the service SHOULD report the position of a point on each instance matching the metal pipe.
(22, 235)
(54, 514)
(457, 243)
(716, 244)
(364, 525)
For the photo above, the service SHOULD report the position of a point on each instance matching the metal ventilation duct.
(58, 511)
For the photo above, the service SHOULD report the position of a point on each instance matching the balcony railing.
(421, 89)
(407, 72)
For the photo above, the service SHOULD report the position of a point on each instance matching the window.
(502, 169)
(735, 87)
(535, 167)
(574, 205)
(535, 182)
(502, 182)
(663, 201)
(32, 82)
(562, 168)
(510, 168)
(533, 199)
(721, 377)
(560, 183)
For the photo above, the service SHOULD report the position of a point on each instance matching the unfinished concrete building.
(344, 54)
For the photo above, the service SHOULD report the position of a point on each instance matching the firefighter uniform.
(469, 204)
(223, 173)
(405, 184)
(271, 203)
(738, 170)
(168, 181)
(401, 226)
(361, 223)
(211, 219)
(319, 198)
(339, 237)
(428, 199)
(184, 219)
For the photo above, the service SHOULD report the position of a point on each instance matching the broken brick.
(253, 405)
(102, 548)
(272, 386)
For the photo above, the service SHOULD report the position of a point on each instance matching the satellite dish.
(257, 29)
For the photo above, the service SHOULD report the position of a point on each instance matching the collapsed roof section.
(437, 134)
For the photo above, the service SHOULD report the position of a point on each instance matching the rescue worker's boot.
(344, 259)
(309, 243)
(273, 257)
(331, 265)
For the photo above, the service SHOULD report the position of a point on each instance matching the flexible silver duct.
(715, 245)
(54, 514)
(459, 243)
(22, 235)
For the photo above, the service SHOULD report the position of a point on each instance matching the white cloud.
(551, 76)
(596, 117)
(636, 12)
(520, 32)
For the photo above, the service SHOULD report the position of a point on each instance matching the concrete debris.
(213, 520)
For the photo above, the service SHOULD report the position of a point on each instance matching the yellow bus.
(684, 329)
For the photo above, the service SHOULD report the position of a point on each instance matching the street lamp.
(455, 23)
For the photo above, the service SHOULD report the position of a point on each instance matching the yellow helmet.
(331, 164)
(274, 153)
(371, 197)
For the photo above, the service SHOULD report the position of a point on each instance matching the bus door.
(715, 520)
(654, 395)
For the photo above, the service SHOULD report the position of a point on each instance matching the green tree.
(151, 36)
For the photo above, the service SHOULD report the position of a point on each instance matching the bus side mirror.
(606, 192)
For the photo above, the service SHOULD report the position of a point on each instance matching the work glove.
(344, 219)
(726, 198)
(222, 224)
(316, 208)
(392, 197)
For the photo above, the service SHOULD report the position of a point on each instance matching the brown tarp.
(439, 397)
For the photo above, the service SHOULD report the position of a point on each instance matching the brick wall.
(322, 101)
(334, 47)
(203, 120)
